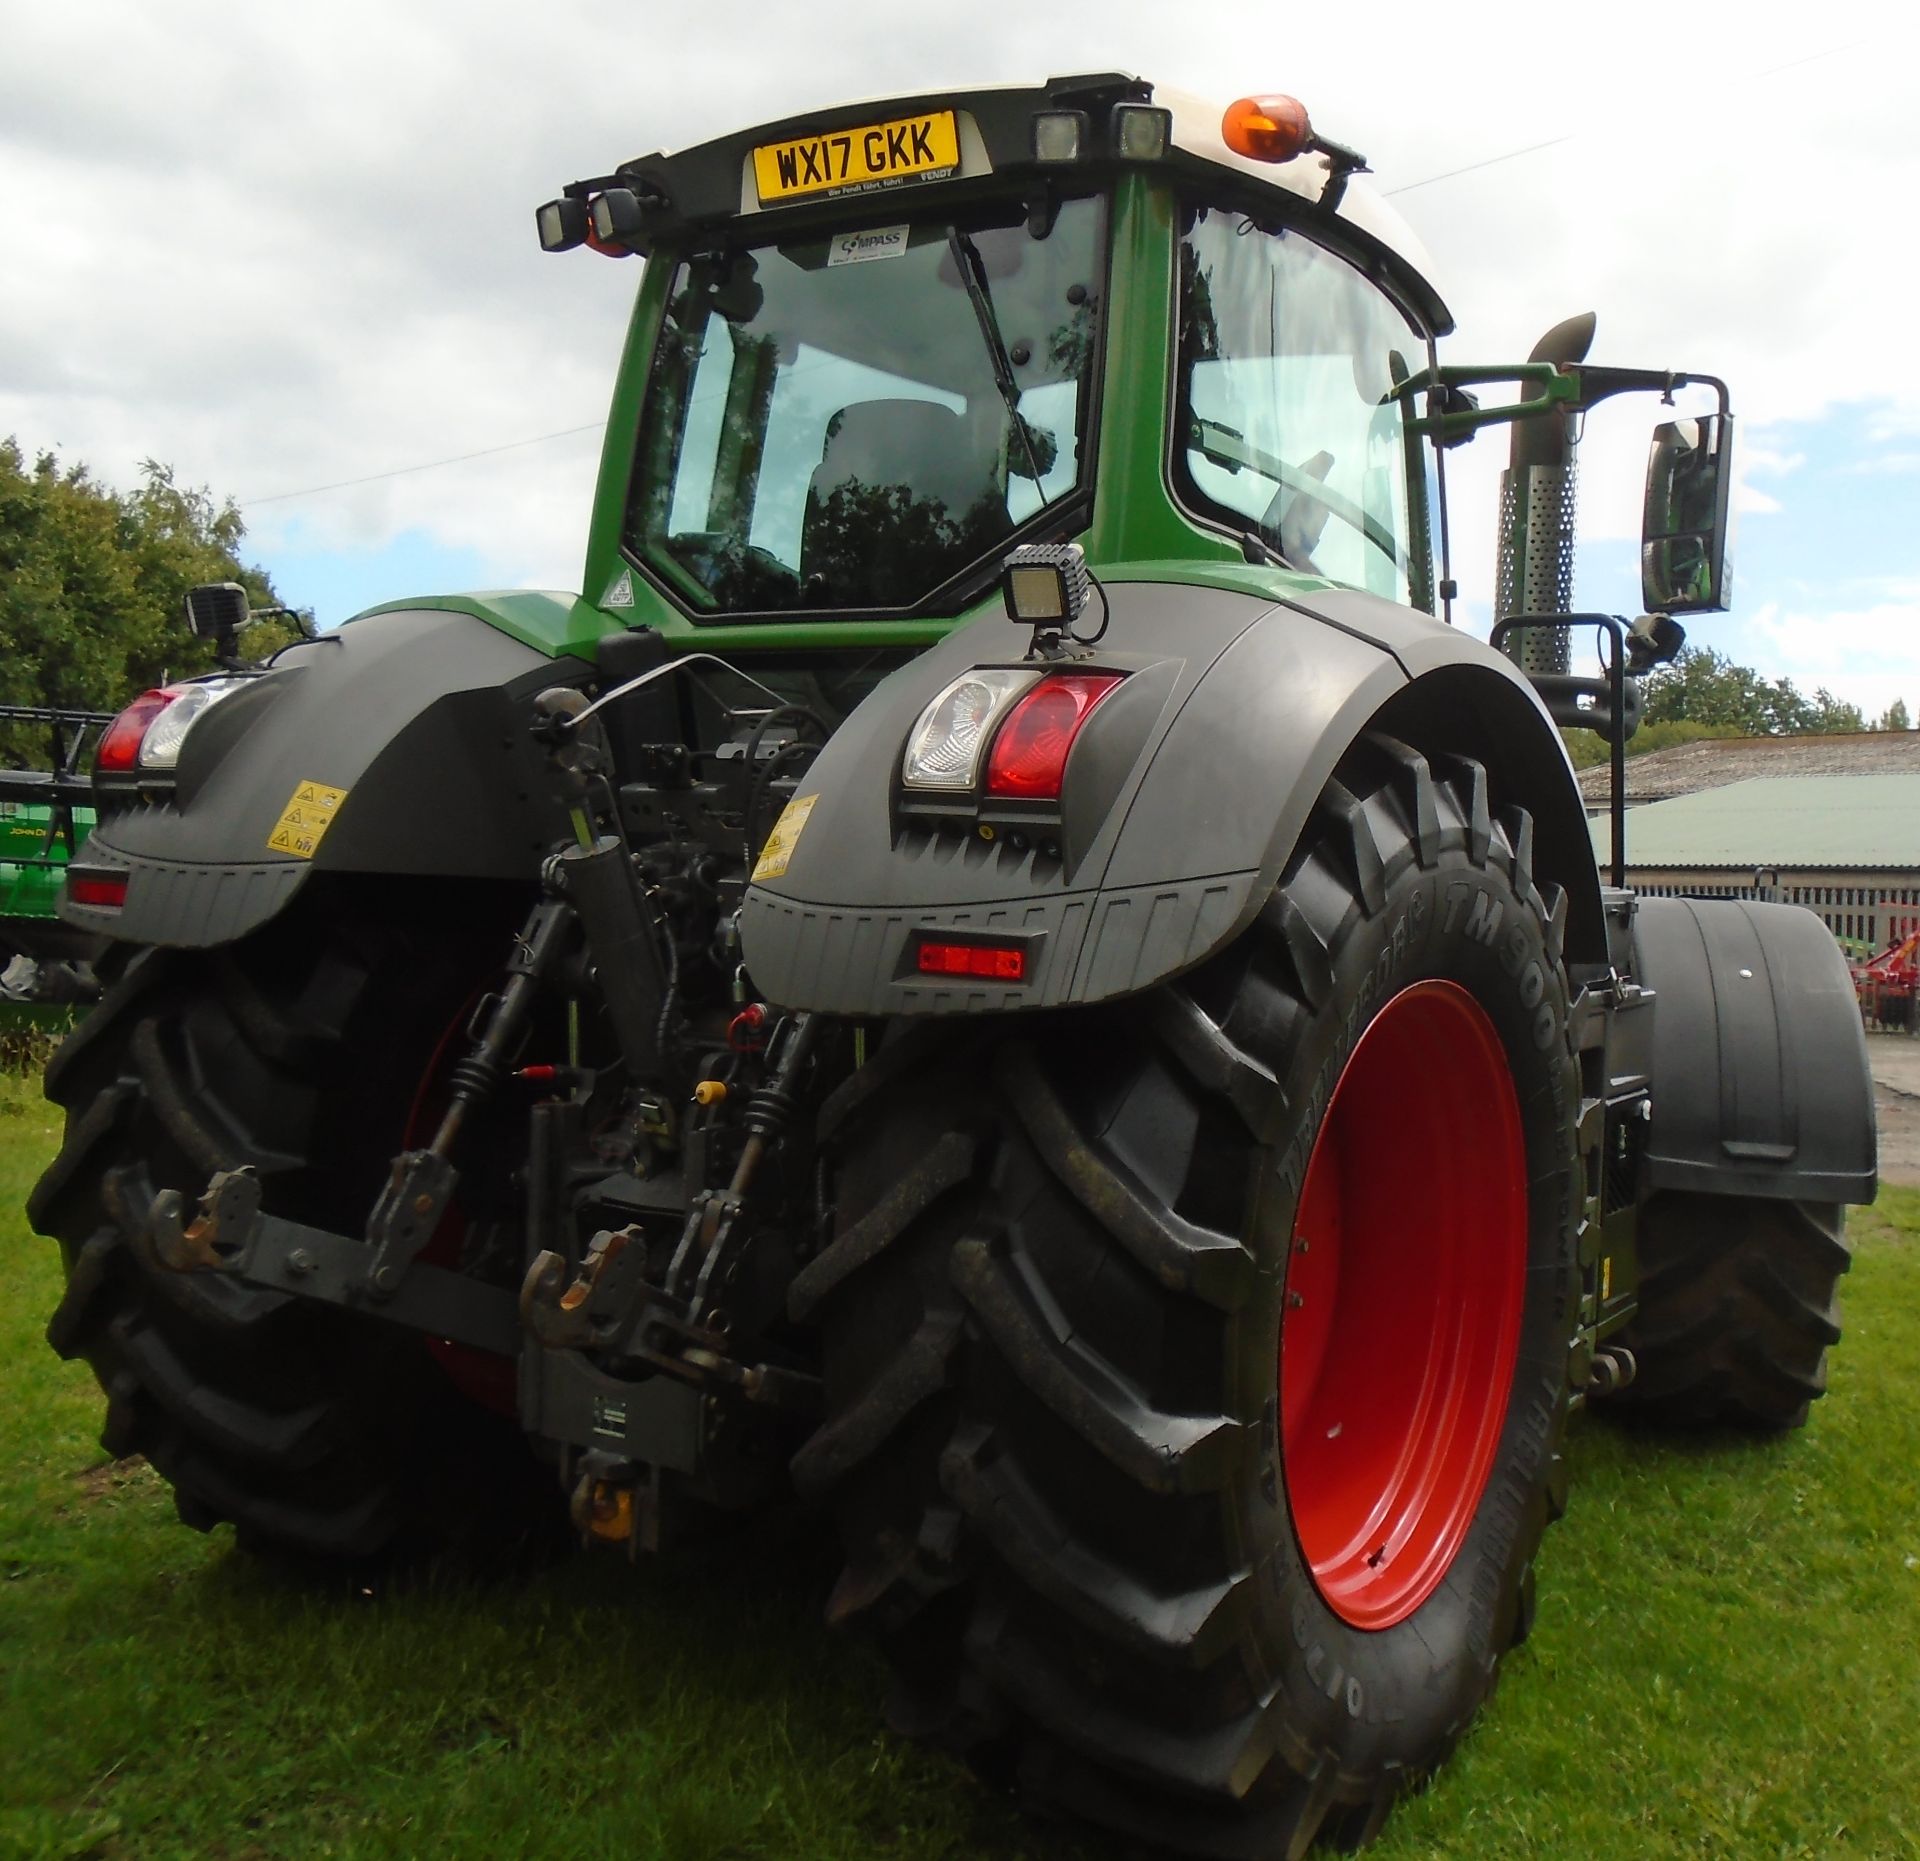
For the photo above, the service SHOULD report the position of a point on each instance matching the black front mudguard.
(416, 719)
(1202, 770)
(1761, 1084)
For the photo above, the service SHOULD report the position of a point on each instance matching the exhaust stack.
(1537, 502)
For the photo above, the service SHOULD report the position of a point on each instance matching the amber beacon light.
(1266, 129)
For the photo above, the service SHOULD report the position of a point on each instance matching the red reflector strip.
(104, 893)
(997, 962)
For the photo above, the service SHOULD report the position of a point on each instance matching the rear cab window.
(825, 426)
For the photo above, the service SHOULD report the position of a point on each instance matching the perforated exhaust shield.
(1535, 573)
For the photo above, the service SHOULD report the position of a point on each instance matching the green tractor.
(1006, 971)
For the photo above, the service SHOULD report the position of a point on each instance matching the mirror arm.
(1594, 385)
(1557, 390)
(1569, 390)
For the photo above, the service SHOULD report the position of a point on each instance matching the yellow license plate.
(859, 161)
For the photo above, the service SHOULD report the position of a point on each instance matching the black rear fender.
(416, 719)
(1761, 1084)
(1238, 712)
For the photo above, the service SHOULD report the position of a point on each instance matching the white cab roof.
(1196, 131)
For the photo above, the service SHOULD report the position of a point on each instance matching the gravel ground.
(1896, 1093)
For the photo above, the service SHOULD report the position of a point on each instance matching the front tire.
(1104, 1540)
(1739, 1302)
(299, 1051)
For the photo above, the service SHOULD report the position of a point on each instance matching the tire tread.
(942, 1310)
(1739, 1305)
(315, 1432)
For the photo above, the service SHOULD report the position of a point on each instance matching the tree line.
(1703, 693)
(91, 581)
(1702, 686)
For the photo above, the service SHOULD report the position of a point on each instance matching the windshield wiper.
(973, 274)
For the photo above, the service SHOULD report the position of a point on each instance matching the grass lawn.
(1727, 1660)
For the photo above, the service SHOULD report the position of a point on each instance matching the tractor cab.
(878, 348)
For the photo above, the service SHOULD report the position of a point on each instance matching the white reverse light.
(160, 747)
(948, 742)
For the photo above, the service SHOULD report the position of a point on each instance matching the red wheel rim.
(1403, 1298)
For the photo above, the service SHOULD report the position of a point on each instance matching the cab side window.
(1290, 423)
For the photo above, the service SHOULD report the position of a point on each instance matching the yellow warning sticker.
(784, 838)
(305, 819)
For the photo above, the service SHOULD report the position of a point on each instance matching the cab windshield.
(830, 422)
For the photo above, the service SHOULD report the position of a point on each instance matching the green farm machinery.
(1005, 970)
(45, 817)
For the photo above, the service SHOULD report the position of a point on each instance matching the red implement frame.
(1886, 984)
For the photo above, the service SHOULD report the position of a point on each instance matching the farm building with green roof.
(1845, 846)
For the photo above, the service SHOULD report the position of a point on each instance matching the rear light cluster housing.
(145, 738)
(1002, 734)
(989, 754)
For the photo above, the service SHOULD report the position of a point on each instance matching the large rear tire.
(299, 1051)
(1739, 1301)
(1105, 1542)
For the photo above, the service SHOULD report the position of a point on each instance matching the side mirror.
(1683, 531)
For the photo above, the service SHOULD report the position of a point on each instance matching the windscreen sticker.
(784, 838)
(305, 819)
(860, 248)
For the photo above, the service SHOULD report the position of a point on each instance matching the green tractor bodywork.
(1148, 1111)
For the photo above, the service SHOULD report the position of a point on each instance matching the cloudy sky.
(285, 248)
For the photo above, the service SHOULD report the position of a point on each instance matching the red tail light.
(996, 962)
(1030, 751)
(119, 749)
